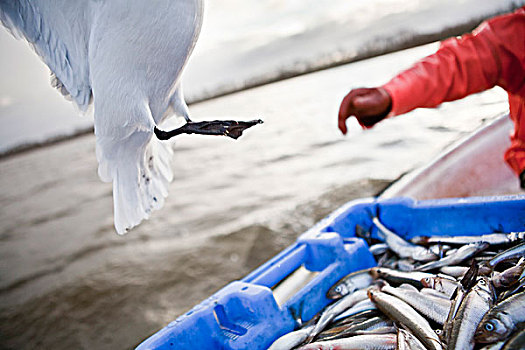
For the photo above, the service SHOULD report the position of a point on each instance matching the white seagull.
(126, 57)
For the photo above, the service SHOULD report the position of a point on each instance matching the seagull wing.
(59, 34)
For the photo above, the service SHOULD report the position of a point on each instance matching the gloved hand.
(368, 105)
(522, 179)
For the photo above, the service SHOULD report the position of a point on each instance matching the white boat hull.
(473, 166)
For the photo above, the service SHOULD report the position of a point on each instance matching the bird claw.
(230, 128)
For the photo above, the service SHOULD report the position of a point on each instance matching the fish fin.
(469, 279)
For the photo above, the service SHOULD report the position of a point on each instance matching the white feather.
(127, 57)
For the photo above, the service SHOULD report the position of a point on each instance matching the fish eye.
(338, 289)
(489, 327)
(481, 282)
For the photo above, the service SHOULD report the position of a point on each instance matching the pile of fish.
(440, 292)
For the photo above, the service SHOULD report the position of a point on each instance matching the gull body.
(126, 58)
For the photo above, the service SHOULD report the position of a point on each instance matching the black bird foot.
(230, 128)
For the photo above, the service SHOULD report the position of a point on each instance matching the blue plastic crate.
(245, 314)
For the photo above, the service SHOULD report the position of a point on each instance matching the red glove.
(368, 105)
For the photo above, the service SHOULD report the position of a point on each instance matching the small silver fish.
(462, 254)
(407, 341)
(434, 293)
(377, 330)
(363, 305)
(474, 305)
(517, 251)
(441, 284)
(358, 317)
(433, 308)
(397, 277)
(350, 283)
(492, 239)
(369, 341)
(292, 339)
(451, 251)
(403, 313)
(335, 309)
(401, 247)
(406, 265)
(457, 299)
(454, 271)
(502, 319)
(508, 277)
(367, 326)
(517, 288)
(378, 249)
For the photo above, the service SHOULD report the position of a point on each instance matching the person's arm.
(470, 64)
(492, 55)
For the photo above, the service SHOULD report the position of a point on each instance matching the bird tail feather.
(140, 169)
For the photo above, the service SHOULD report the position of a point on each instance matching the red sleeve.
(494, 54)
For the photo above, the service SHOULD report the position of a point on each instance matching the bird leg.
(230, 128)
